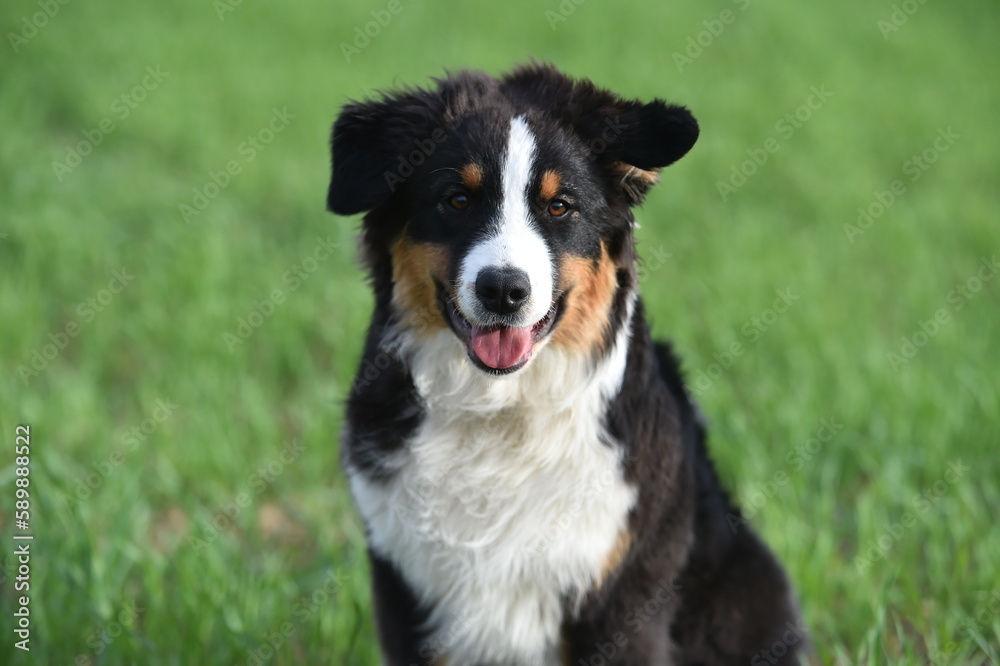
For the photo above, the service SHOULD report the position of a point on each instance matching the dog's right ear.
(368, 139)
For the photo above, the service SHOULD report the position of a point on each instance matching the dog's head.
(500, 208)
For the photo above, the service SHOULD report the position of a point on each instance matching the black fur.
(720, 595)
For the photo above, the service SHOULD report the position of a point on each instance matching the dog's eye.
(459, 201)
(558, 208)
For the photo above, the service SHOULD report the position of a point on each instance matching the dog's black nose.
(503, 290)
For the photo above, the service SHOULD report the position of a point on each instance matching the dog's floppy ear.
(630, 139)
(652, 136)
(368, 139)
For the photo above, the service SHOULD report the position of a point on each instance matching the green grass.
(135, 556)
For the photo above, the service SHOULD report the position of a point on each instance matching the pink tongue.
(501, 348)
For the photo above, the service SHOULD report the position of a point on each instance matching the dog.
(531, 471)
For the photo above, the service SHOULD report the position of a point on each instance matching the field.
(181, 318)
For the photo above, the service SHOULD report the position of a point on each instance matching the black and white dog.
(530, 469)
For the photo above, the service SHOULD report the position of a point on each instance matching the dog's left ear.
(368, 139)
(638, 140)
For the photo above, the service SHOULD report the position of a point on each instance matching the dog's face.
(500, 209)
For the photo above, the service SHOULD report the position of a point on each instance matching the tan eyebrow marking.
(472, 176)
(551, 182)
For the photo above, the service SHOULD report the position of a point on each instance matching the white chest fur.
(507, 501)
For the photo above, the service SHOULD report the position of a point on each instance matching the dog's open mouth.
(499, 349)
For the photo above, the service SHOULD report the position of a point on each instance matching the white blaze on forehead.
(512, 241)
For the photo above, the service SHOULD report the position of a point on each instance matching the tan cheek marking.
(414, 266)
(551, 183)
(615, 556)
(472, 176)
(591, 290)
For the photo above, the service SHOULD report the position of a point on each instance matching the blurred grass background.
(187, 501)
